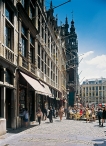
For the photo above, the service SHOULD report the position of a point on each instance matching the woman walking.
(39, 115)
(61, 112)
(103, 115)
(50, 116)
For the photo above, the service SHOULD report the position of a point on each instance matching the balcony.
(8, 54)
(26, 64)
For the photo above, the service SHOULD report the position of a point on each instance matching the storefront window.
(22, 94)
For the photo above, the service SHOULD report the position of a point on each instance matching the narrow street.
(64, 133)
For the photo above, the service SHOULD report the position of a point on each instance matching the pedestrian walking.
(25, 117)
(87, 115)
(54, 112)
(50, 116)
(44, 113)
(61, 112)
(103, 115)
(39, 115)
(99, 114)
(93, 114)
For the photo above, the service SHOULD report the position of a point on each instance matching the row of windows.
(94, 88)
(9, 39)
(44, 64)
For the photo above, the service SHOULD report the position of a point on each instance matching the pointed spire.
(72, 14)
(66, 20)
(56, 17)
(51, 6)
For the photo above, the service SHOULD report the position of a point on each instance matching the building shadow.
(21, 129)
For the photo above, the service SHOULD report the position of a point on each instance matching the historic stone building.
(93, 91)
(32, 60)
(71, 45)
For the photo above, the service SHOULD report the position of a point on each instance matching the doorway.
(31, 106)
(8, 107)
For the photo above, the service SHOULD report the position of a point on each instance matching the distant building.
(71, 45)
(93, 91)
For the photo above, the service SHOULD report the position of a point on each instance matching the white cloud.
(85, 55)
(92, 66)
(98, 61)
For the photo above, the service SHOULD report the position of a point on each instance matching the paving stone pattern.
(64, 133)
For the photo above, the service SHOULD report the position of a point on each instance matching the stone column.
(3, 101)
(13, 109)
(29, 65)
(3, 97)
(14, 103)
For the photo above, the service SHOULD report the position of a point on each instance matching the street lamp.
(67, 102)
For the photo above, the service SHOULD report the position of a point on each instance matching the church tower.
(72, 62)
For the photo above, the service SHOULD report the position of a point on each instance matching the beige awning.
(35, 84)
(47, 89)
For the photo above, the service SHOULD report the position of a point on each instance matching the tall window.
(31, 12)
(23, 30)
(42, 66)
(38, 62)
(23, 41)
(8, 36)
(45, 68)
(32, 55)
(8, 14)
(31, 40)
(8, 76)
(23, 3)
(38, 50)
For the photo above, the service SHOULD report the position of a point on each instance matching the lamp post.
(67, 102)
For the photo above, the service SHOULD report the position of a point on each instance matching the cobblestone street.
(64, 133)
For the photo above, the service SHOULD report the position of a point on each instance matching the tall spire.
(72, 14)
(51, 6)
(66, 20)
(72, 29)
(66, 26)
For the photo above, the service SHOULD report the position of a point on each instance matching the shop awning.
(47, 90)
(34, 83)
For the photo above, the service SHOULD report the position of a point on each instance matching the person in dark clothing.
(39, 115)
(44, 113)
(51, 115)
(54, 112)
(103, 115)
(99, 114)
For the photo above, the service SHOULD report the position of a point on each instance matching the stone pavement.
(64, 133)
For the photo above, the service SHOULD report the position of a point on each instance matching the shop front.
(32, 94)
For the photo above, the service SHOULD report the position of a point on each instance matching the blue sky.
(90, 23)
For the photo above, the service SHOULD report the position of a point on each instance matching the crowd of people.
(75, 113)
(89, 114)
(44, 114)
